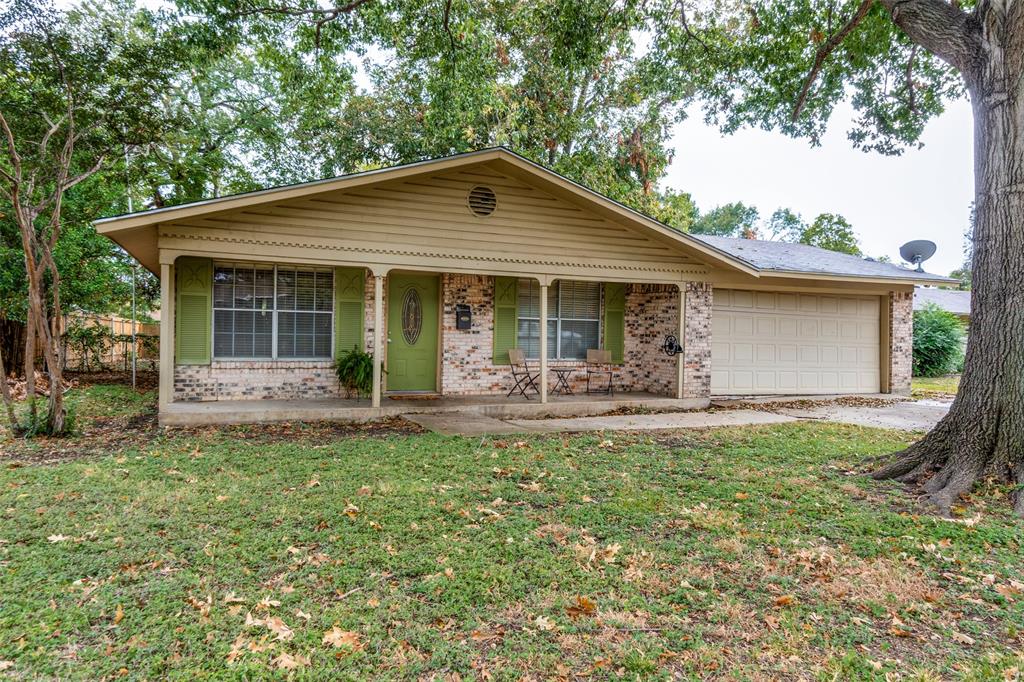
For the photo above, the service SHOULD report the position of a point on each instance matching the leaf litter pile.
(750, 553)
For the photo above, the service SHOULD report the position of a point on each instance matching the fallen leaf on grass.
(299, 613)
(231, 598)
(583, 607)
(279, 628)
(338, 638)
(351, 510)
(962, 638)
(118, 614)
(544, 623)
(785, 600)
(58, 538)
(288, 662)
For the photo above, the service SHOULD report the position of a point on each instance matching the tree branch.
(942, 28)
(830, 45)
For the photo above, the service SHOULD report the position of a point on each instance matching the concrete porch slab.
(496, 406)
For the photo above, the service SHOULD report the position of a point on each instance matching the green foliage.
(831, 231)
(938, 341)
(36, 422)
(728, 220)
(750, 62)
(89, 342)
(355, 371)
(785, 225)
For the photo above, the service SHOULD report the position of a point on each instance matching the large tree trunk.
(983, 434)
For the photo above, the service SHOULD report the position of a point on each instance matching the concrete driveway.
(908, 416)
(920, 415)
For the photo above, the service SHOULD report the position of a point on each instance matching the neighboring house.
(951, 300)
(261, 291)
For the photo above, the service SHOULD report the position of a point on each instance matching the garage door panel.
(767, 342)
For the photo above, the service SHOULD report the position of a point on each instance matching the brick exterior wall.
(901, 341)
(256, 380)
(466, 354)
(652, 311)
(697, 341)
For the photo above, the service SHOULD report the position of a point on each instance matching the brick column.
(901, 341)
(696, 341)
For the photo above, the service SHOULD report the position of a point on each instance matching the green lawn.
(935, 387)
(307, 551)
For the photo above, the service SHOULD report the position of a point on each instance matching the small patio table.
(562, 374)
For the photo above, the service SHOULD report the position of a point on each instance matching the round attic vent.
(482, 201)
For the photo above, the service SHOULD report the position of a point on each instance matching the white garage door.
(766, 343)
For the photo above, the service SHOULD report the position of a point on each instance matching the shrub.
(355, 372)
(938, 341)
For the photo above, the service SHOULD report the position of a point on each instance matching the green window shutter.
(615, 320)
(506, 304)
(193, 310)
(349, 303)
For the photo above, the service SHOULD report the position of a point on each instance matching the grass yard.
(316, 553)
(935, 387)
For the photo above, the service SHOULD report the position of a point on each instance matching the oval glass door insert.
(412, 316)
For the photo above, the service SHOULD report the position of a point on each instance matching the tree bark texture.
(982, 436)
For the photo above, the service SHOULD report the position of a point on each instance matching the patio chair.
(599, 363)
(524, 378)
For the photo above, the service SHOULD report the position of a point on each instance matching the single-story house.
(439, 268)
(951, 300)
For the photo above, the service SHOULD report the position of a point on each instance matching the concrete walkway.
(907, 415)
(454, 424)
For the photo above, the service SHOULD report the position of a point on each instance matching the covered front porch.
(340, 409)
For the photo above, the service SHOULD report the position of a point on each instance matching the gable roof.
(788, 258)
(951, 300)
(137, 232)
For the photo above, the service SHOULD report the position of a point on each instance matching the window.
(268, 312)
(574, 310)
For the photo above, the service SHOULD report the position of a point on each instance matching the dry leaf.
(338, 638)
(118, 614)
(544, 623)
(351, 510)
(279, 628)
(785, 600)
(963, 639)
(230, 598)
(58, 538)
(288, 662)
(582, 607)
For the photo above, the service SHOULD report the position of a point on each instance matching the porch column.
(166, 393)
(543, 342)
(378, 334)
(681, 335)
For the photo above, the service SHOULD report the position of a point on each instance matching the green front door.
(412, 332)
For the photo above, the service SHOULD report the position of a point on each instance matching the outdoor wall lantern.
(671, 346)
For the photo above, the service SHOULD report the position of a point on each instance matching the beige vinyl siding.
(428, 217)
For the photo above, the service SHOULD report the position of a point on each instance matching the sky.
(924, 194)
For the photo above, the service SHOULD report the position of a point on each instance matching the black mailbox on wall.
(463, 316)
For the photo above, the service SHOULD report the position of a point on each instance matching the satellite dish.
(917, 252)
